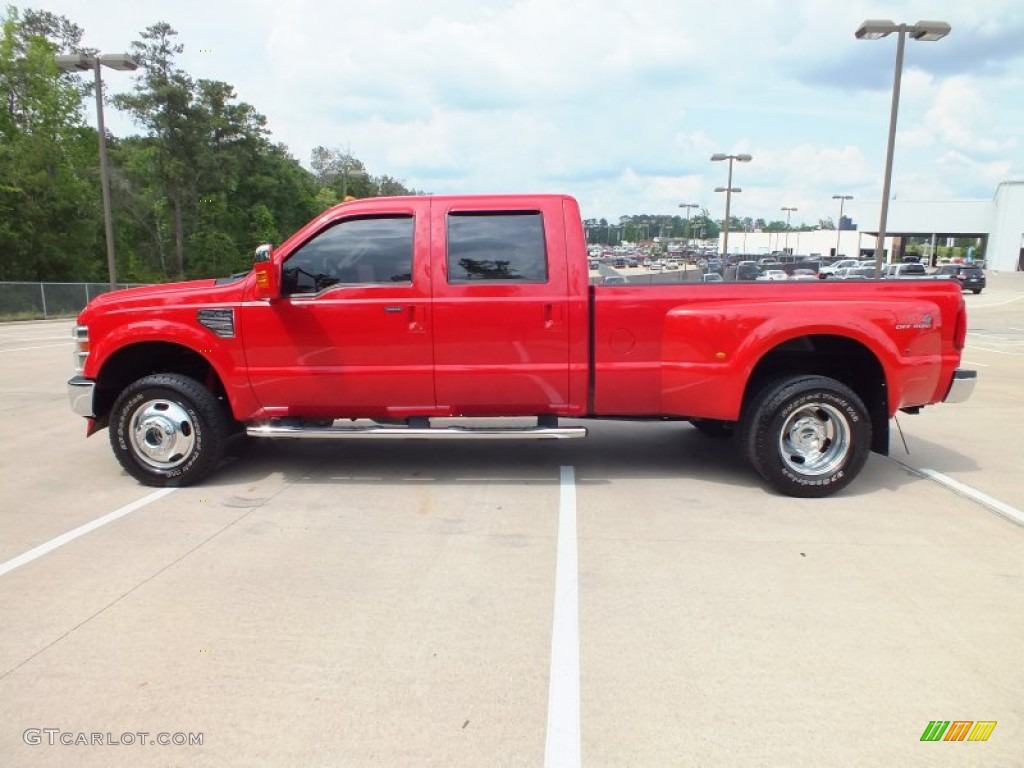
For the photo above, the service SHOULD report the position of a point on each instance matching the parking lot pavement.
(392, 604)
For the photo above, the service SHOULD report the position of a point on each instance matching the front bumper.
(962, 386)
(80, 392)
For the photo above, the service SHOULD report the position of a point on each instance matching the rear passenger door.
(500, 284)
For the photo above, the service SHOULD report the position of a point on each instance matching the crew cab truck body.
(399, 310)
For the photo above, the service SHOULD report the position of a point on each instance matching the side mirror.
(268, 280)
(262, 253)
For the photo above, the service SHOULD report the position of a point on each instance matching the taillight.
(960, 332)
(961, 276)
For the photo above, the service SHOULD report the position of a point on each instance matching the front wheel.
(168, 430)
(808, 436)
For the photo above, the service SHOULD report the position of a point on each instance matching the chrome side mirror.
(262, 253)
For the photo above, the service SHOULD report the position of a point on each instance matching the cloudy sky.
(617, 102)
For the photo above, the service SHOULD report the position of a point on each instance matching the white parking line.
(996, 351)
(43, 346)
(81, 530)
(66, 337)
(562, 746)
(999, 507)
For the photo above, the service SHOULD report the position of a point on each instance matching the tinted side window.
(352, 252)
(496, 246)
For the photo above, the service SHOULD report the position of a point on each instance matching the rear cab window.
(497, 246)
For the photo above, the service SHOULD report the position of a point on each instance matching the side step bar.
(422, 433)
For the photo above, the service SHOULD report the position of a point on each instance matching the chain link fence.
(41, 301)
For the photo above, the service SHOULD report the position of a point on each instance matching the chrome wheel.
(162, 434)
(815, 439)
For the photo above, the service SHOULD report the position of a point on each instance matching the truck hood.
(191, 292)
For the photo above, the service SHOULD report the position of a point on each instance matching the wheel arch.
(133, 361)
(838, 357)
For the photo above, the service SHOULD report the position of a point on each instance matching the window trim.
(490, 212)
(340, 285)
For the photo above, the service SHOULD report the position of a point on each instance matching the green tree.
(45, 152)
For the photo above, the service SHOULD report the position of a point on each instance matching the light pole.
(81, 62)
(688, 206)
(788, 212)
(839, 226)
(346, 174)
(729, 189)
(874, 29)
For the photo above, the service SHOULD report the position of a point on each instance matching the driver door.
(352, 332)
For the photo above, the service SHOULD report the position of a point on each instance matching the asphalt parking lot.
(637, 598)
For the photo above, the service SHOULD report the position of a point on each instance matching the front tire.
(808, 436)
(168, 430)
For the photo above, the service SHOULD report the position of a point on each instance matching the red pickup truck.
(392, 311)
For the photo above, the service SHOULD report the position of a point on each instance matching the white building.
(999, 222)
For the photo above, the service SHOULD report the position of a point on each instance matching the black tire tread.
(762, 409)
(213, 423)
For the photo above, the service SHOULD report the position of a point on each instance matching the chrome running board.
(418, 433)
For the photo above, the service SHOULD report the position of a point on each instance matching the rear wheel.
(975, 291)
(168, 430)
(808, 436)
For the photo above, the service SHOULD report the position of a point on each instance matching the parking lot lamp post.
(788, 212)
(874, 29)
(839, 224)
(347, 174)
(81, 62)
(688, 206)
(728, 189)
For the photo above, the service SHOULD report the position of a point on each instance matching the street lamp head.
(120, 61)
(784, 208)
(744, 158)
(728, 189)
(929, 31)
(842, 197)
(874, 29)
(718, 156)
(73, 61)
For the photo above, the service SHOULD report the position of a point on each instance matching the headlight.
(80, 333)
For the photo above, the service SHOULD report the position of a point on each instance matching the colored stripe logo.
(958, 730)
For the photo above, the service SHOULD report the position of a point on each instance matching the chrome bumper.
(80, 391)
(962, 386)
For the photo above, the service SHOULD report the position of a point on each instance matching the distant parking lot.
(636, 598)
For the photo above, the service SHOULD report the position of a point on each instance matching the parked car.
(712, 277)
(831, 269)
(904, 269)
(971, 277)
(859, 273)
(747, 270)
(774, 274)
(803, 274)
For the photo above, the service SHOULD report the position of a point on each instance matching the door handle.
(552, 315)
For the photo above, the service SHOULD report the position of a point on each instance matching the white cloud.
(620, 103)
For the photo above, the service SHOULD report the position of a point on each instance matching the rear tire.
(975, 291)
(808, 436)
(168, 430)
